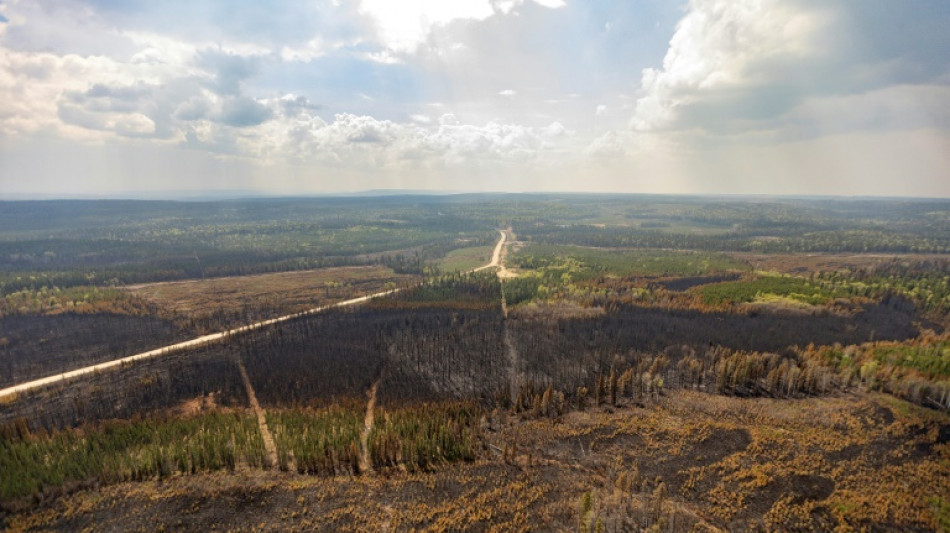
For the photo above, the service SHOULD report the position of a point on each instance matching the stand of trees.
(325, 441)
(39, 465)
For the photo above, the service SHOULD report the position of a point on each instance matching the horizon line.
(232, 195)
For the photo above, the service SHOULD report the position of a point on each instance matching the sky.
(800, 97)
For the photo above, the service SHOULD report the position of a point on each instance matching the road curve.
(207, 339)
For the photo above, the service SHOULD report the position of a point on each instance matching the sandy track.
(366, 460)
(270, 459)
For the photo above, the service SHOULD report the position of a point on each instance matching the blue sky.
(122, 97)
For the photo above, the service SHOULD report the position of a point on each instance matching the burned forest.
(477, 362)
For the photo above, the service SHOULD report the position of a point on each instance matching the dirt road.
(496, 254)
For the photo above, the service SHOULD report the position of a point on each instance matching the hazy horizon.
(238, 195)
(107, 99)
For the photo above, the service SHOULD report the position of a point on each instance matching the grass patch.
(465, 259)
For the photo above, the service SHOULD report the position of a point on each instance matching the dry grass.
(285, 292)
(465, 259)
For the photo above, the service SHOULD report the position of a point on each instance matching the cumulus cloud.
(367, 141)
(721, 58)
(555, 129)
(361, 129)
(735, 67)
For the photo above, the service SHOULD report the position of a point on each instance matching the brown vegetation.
(266, 295)
(691, 461)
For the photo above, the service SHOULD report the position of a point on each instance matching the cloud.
(294, 105)
(555, 129)
(242, 111)
(545, 56)
(106, 108)
(515, 89)
(362, 129)
(229, 70)
(609, 145)
(735, 67)
(720, 57)
(449, 119)
(125, 124)
(402, 26)
(507, 6)
(359, 140)
(61, 27)
(195, 108)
